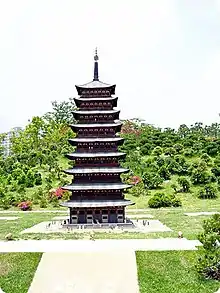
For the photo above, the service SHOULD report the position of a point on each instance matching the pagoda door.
(112, 216)
(82, 217)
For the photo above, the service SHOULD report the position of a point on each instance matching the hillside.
(183, 164)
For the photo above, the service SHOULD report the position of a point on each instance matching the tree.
(62, 112)
(184, 183)
(208, 191)
(164, 173)
(200, 177)
(152, 180)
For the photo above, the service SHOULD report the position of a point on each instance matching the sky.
(163, 56)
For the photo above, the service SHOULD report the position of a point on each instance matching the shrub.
(43, 203)
(208, 263)
(208, 191)
(162, 200)
(135, 180)
(138, 190)
(152, 180)
(56, 193)
(25, 205)
(200, 177)
(4, 203)
(184, 183)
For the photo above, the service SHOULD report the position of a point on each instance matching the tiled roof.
(102, 170)
(95, 99)
(96, 125)
(96, 112)
(96, 186)
(96, 203)
(94, 155)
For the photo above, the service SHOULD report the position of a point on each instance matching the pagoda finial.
(96, 69)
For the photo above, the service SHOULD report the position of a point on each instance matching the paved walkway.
(98, 245)
(99, 272)
(9, 219)
(201, 214)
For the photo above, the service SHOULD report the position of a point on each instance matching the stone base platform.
(140, 226)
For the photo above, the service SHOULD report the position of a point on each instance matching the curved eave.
(96, 186)
(99, 85)
(96, 203)
(73, 156)
(75, 141)
(96, 170)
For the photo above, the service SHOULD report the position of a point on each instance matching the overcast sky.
(163, 55)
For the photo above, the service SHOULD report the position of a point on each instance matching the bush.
(208, 191)
(4, 203)
(25, 205)
(162, 200)
(184, 183)
(43, 203)
(208, 263)
(152, 180)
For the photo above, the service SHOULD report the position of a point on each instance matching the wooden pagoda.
(97, 190)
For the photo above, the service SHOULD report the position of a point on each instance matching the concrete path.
(201, 214)
(9, 219)
(98, 245)
(99, 272)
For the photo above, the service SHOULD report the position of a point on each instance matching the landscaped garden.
(173, 172)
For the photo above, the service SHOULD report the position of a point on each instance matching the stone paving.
(9, 219)
(56, 227)
(98, 245)
(201, 214)
(97, 272)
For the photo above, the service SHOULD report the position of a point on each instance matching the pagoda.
(96, 190)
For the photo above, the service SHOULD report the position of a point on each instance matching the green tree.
(184, 183)
(208, 191)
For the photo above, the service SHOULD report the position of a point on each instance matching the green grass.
(175, 219)
(17, 271)
(171, 271)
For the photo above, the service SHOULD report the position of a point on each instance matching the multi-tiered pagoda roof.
(97, 190)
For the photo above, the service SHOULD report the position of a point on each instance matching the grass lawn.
(17, 271)
(171, 271)
(174, 218)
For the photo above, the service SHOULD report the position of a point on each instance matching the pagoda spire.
(96, 68)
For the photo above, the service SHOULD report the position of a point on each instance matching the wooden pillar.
(70, 215)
